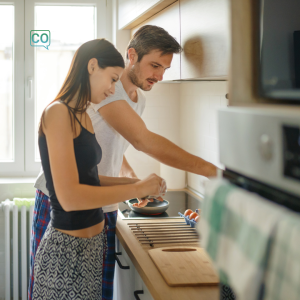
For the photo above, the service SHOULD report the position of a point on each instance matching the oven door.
(261, 148)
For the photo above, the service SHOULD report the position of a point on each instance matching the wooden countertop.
(150, 274)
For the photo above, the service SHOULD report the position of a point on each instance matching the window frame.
(10, 168)
(24, 163)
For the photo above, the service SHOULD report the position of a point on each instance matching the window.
(6, 82)
(51, 66)
(30, 77)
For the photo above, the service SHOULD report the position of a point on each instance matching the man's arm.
(126, 170)
(129, 124)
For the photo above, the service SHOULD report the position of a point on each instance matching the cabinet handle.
(119, 263)
(136, 293)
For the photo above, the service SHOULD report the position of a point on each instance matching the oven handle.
(119, 263)
(136, 293)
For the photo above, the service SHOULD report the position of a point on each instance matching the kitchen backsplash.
(186, 114)
(199, 102)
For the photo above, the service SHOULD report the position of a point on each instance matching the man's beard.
(133, 75)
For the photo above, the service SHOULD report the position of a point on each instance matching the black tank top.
(88, 154)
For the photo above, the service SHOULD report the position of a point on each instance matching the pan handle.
(119, 263)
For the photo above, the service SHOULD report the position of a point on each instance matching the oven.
(260, 149)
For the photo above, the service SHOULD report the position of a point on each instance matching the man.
(117, 122)
(148, 55)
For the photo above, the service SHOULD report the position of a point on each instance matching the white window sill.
(14, 180)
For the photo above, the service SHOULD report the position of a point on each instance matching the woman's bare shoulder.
(57, 113)
(56, 109)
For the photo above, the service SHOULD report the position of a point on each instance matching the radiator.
(17, 231)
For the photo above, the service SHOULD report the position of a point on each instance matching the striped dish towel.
(236, 229)
(283, 275)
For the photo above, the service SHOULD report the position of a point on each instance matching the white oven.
(260, 149)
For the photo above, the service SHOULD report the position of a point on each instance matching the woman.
(68, 262)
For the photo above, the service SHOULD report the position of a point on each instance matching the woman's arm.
(108, 181)
(71, 194)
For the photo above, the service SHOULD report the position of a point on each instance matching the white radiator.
(17, 231)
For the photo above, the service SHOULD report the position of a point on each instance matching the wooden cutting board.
(184, 266)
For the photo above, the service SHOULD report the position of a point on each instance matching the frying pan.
(152, 208)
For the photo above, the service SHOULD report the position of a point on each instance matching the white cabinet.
(133, 12)
(127, 281)
(124, 281)
(202, 29)
(140, 286)
(205, 39)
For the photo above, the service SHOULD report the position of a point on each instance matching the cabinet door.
(205, 39)
(140, 286)
(168, 19)
(124, 281)
(126, 12)
(133, 12)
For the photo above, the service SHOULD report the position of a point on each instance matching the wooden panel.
(133, 12)
(205, 38)
(241, 85)
(244, 66)
(184, 266)
(169, 20)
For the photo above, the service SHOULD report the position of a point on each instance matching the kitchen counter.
(151, 276)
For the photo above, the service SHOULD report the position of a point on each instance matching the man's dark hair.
(149, 38)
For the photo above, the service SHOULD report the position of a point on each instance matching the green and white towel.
(283, 275)
(236, 229)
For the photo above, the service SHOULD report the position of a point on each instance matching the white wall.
(120, 38)
(199, 102)
(161, 116)
(186, 114)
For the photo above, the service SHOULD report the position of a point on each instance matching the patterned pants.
(226, 292)
(68, 267)
(41, 218)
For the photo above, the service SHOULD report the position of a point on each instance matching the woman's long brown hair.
(77, 79)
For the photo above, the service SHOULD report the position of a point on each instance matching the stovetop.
(179, 202)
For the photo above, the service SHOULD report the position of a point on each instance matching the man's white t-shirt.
(112, 143)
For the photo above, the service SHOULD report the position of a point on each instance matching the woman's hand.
(153, 185)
